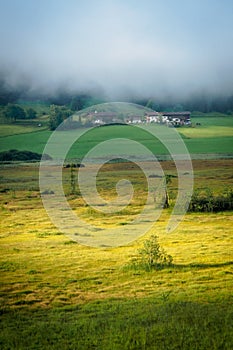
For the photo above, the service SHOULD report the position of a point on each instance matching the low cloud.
(145, 48)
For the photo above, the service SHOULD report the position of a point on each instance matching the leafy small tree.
(152, 255)
(73, 180)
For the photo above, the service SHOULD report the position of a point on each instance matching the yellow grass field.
(41, 267)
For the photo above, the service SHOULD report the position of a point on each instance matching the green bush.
(151, 255)
(15, 155)
(207, 202)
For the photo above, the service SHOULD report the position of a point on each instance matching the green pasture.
(24, 126)
(210, 127)
(9, 129)
(213, 136)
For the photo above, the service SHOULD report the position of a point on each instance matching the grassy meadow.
(56, 293)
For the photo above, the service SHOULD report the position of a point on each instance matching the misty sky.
(154, 47)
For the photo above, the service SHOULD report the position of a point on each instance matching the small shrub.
(16, 155)
(152, 255)
(47, 192)
(8, 266)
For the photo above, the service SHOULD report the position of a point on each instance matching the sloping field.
(9, 129)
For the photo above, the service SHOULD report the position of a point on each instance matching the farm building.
(101, 118)
(134, 119)
(169, 118)
(183, 116)
(152, 117)
(176, 118)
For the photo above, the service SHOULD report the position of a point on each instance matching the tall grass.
(121, 325)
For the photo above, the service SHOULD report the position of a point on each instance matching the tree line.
(12, 112)
(201, 101)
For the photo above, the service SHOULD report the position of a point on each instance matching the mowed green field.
(214, 135)
(58, 294)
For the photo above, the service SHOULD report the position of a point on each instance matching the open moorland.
(58, 294)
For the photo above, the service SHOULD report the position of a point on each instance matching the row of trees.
(202, 101)
(12, 112)
(199, 102)
(72, 100)
(57, 114)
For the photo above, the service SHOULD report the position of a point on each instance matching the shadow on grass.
(138, 266)
(200, 265)
(120, 325)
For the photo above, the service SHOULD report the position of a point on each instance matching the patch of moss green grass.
(12, 129)
(121, 324)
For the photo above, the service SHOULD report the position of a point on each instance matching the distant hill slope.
(119, 108)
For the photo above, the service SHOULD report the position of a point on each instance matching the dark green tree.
(178, 107)
(31, 113)
(14, 112)
(57, 115)
(78, 102)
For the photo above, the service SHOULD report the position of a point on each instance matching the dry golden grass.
(42, 267)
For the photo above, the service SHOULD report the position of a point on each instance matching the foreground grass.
(121, 324)
(57, 294)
